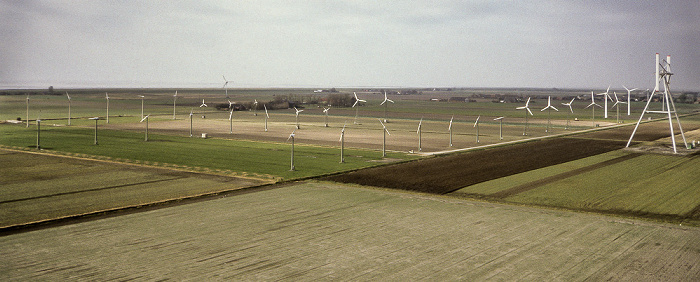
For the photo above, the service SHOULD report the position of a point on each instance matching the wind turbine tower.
(385, 132)
(266, 117)
(593, 103)
(527, 108)
(107, 97)
(291, 136)
(606, 96)
(146, 119)
(629, 100)
(663, 73)
(69, 102)
(28, 111)
(500, 127)
(450, 129)
(357, 100)
(385, 105)
(420, 135)
(174, 100)
(549, 113)
(476, 124)
(342, 143)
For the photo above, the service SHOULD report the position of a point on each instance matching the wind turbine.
(230, 105)
(385, 104)
(606, 96)
(385, 132)
(629, 99)
(266, 117)
(28, 110)
(204, 105)
(38, 133)
(617, 103)
(500, 128)
(476, 124)
(174, 100)
(593, 103)
(526, 107)
(450, 129)
(297, 115)
(325, 110)
(95, 119)
(230, 120)
(69, 102)
(420, 133)
(549, 106)
(225, 84)
(107, 97)
(142, 104)
(570, 109)
(342, 143)
(146, 119)
(191, 114)
(357, 100)
(255, 107)
(291, 136)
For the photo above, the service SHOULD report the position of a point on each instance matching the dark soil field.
(442, 175)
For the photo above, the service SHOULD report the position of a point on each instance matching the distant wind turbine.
(146, 119)
(95, 119)
(357, 100)
(342, 143)
(629, 100)
(593, 103)
(419, 132)
(226, 84)
(606, 96)
(69, 102)
(527, 108)
(500, 128)
(325, 111)
(191, 114)
(385, 132)
(174, 100)
(142, 104)
(107, 97)
(550, 107)
(450, 129)
(266, 117)
(28, 110)
(291, 136)
(255, 107)
(386, 106)
(570, 109)
(297, 115)
(476, 124)
(617, 103)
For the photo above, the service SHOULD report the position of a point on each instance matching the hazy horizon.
(347, 44)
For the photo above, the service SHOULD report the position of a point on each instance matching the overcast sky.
(563, 44)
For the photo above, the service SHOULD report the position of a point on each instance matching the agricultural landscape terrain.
(516, 200)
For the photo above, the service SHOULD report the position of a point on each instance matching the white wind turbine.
(549, 106)
(420, 133)
(593, 103)
(357, 100)
(629, 99)
(230, 104)
(385, 132)
(141, 96)
(606, 96)
(28, 110)
(450, 129)
(146, 119)
(226, 84)
(255, 107)
(191, 114)
(297, 115)
(38, 132)
(526, 107)
(500, 127)
(266, 117)
(95, 119)
(325, 111)
(107, 97)
(617, 103)
(291, 136)
(570, 109)
(174, 100)
(69, 102)
(230, 120)
(342, 143)
(385, 104)
(203, 105)
(476, 124)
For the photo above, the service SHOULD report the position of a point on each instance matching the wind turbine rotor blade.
(382, 103)
(554, 108)
(144, 118)
(529, 111)
(230, 115)
(477, 121)
(390, 101)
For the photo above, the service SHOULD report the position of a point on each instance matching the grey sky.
(565, 44)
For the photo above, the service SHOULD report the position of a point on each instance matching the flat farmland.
(323, 231)
(38, 188)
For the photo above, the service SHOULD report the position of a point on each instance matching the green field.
(245, 158)
(323, 231)
(620, 182)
